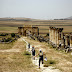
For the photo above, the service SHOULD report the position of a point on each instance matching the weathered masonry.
(27, 30)
(68, 40)
(55, 35)
(58, 39)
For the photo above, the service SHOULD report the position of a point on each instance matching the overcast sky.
(37, 9)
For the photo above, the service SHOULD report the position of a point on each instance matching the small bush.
(2, 34)
(52, 62)
(49, 62)
(26, 53)
(47, 34)
(12, 34)
(45, 65)
(7, 40)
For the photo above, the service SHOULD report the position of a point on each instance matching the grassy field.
(11, 26)
(8, 29)
(6, 46)
(15, 61)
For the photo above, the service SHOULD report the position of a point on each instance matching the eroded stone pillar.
(71, 41)
(49, 34)
(20, 30)
(54, 36)
(57, 39)
(67, 40)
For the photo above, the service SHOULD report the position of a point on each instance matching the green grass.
(8, 29)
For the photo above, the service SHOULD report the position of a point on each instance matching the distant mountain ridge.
(15, 19)
(69, 18)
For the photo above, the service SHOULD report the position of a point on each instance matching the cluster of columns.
(55, 35)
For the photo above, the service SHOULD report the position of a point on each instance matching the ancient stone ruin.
(56, 38)
(59, 39)
(55, 35)
(28, 30)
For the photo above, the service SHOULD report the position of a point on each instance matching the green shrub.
(47, 34)
(2, 34)
(12, 34)
(52, 62)
(26, 53)
(45, 65)
(7, 40)
(49, 62)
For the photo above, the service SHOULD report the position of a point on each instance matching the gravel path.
(36, 61)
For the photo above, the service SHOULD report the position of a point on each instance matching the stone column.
(23, 31)
(57, 39)
(67, 40)
(71, 41)
(20, 30)
(38, 30)
(60, 39)
(54, 36)
(49, 34)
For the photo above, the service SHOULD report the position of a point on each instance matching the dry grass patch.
(16, 61)
(6, 46)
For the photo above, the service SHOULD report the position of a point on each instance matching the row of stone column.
(57, 37)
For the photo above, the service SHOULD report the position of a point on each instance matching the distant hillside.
(15, 19)
(69, 18)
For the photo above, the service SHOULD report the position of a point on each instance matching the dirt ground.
(13, 60)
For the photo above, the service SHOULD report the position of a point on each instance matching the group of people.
(40, 54)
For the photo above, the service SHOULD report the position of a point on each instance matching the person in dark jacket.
(41, 54)
(29, 46)
(33, 52)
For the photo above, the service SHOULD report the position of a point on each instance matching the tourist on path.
(33, 52)
(28, 46)
(41, 54)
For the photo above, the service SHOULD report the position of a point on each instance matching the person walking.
(28, 46)
(33, 52)
(41, 54)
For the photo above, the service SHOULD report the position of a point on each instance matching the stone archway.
(30, 30)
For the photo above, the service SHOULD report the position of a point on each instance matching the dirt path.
(63, 60)
(36, 61)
